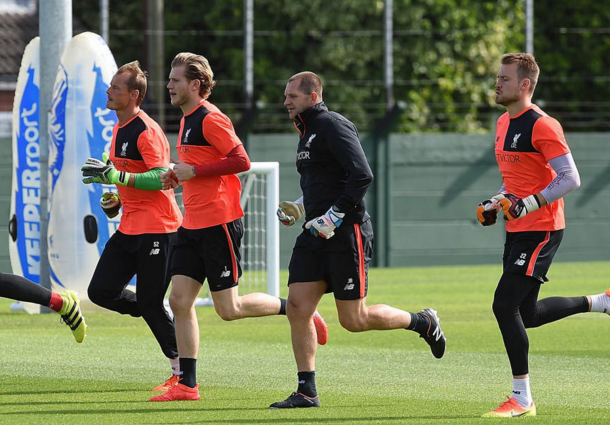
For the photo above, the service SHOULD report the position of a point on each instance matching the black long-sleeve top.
(332, 165)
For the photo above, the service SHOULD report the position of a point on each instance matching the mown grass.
(373, 377)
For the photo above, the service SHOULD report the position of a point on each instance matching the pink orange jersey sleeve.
(218, 130)
(548, 138)
(153, 153)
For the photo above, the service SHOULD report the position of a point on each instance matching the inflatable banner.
(80, 127)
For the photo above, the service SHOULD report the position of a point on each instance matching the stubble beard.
(506, 100)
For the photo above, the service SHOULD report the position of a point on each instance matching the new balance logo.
(226, 273)
(349, 287)
(155, 250)
(124, 149)
(308, 143)
(437, 334)
(513, 145)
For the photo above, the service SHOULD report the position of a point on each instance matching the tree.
(446, 54)
(572, 47)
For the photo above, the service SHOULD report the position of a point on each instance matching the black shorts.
(147, 256)
(341, 261)
(531, 253)
(211, 253)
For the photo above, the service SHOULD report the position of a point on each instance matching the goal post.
(260, 245)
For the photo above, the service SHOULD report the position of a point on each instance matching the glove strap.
(531, 203)
(123, 178)
(335, 216)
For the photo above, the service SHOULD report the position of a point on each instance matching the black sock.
(307, 384)
(21, 289)
(419, 323)
(282, 307)
(188, 368)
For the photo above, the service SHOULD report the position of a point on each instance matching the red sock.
(56, 302)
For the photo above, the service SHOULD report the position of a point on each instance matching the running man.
(142, 244)
(210, 156)
(537, 171)
(332, 253)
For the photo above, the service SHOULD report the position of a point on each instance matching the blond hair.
(526, 67)
(137, 79)
(196, 67)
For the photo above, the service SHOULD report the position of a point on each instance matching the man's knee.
(352, 324)
(298, 309)
(180, 303)
(96, 295)
(227, 313)
(502, 309)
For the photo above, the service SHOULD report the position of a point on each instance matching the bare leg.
(182, 301)
(230, 306)
(303, 298)
(356, 316)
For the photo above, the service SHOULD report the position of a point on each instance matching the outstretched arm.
(96, 171)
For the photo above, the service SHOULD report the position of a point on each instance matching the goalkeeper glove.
(97, 171)
(487, 212)
(290, 212)
(515, 207)
(324, 226)
(111, 204)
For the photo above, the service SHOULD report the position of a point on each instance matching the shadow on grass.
(318, 420)
(45, 392)
(179, 407)
(152, 409)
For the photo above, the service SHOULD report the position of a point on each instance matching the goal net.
(260, 245)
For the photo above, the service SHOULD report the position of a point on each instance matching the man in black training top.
(334, 249)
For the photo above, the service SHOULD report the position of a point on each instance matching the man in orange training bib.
(537, 171)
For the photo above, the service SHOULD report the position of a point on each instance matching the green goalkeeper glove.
(96, 171)
(111, 204)
(290, 212)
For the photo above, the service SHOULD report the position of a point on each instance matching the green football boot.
(72, 316)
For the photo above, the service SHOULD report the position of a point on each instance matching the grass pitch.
(374, 377)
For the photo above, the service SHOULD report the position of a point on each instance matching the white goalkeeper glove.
(96, 171)
(290, 212)
(324, 226)
(111, 204)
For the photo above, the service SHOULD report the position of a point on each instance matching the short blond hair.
(137, 79)
(526, 67)
(196, 67)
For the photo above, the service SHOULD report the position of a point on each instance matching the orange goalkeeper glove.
(515, 207)
(487, 212)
